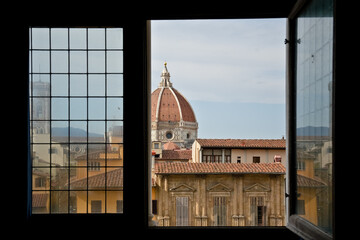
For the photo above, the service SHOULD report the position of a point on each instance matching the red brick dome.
(167, 104)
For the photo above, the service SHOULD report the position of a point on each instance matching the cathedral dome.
(168, 104)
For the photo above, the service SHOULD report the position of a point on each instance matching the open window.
(135, 97)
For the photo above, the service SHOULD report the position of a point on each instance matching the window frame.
(296, 223)
(136, 66)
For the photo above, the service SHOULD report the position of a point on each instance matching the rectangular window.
(220, 211)
(76, 119)
(182, 211)
(257, 211)
(95, 206)
(314, 93)
(256, 159)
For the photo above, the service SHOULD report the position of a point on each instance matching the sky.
(231, 71)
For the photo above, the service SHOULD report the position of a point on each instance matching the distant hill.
(313, 131)
(74, 132)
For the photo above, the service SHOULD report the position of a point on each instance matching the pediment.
(182, 188)
(257, 187)
(219, 188)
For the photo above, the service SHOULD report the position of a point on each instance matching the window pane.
(78, 85)
(59, 108)
(59, 61)
(114, 84)
(97, 108)
(313, 110)
(74, 147)
(97, 85)
(115, 108)
(78, 62)
(114, 62)
(114, 38)
(40, 38)
(59, 38)
(78, 108)
(41, 61)
(77, 38)
(59, 85)
(96, 62)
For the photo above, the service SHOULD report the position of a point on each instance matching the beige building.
(219, 194)
(239, 150)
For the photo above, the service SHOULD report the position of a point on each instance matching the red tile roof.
(39, 200)
(176, 154)
(243, 143)
(303, 181)
(218, 168)
(114, 179)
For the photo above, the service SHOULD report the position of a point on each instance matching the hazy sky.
(231, 71)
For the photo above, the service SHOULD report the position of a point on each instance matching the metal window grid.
(67, 118)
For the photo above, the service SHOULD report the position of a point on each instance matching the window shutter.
(182, 211)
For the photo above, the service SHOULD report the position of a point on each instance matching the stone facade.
(228, 199)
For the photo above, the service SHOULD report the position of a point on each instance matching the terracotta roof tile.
(114, 179)
(218, 168)
(176, 154)
(243, 143)
(303, 181)
(39, 199)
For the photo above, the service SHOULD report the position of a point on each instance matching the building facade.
(219, 194)
(239, 151)
(172, 117)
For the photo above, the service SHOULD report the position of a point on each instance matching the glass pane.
(78, 131)
(59, 178)
(77, 38)
(96, 62)
(40, 131)
(59, 85)
(59, 38)
(115, 108)
(114, 84)
(114, 38)
(59, 61)
(59, 131)
(96, 131)
(97, 108)
(41, 84)
(96, 38)
(78, 62)
(59, 201)
(97, 85)
(78, 85)
(78, 200)
(115, 131)
(114, 202)
(114, 61)
(40, 201)
(96, 202)
(313, 110)
(59, 108)
(78, 108)
(40, 38)
(40, 155)
(40, 108)
(41, 61)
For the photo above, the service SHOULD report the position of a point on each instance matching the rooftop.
(243, 143)
(218, 168)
